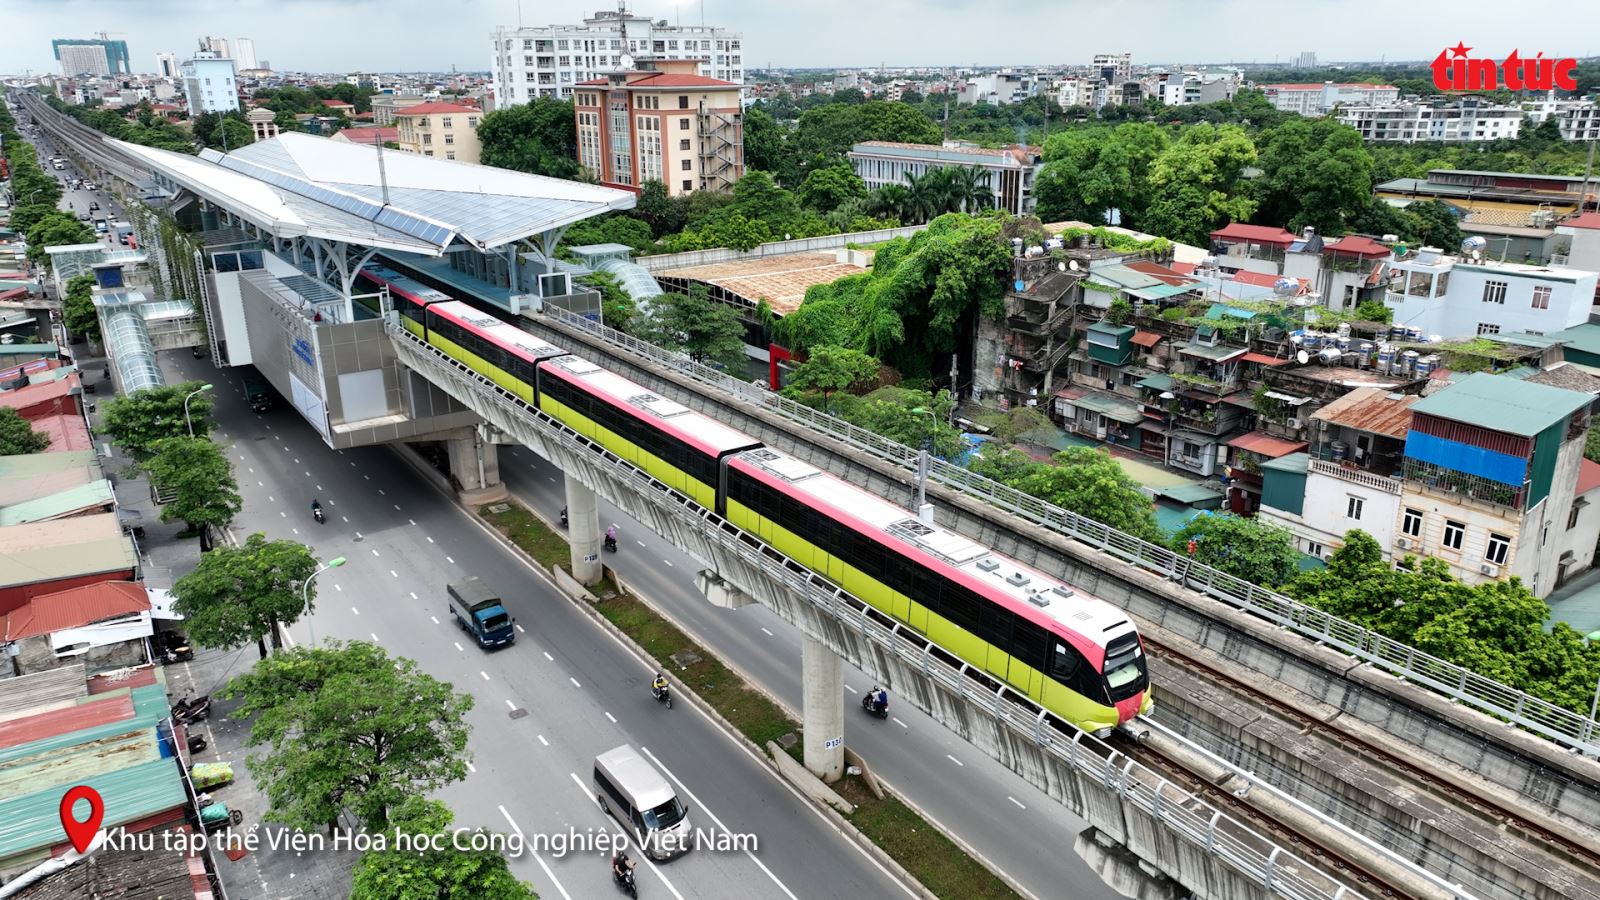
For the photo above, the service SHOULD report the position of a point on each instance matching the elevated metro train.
(1073, 654)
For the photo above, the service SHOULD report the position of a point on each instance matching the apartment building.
(208, 84)
(1011, 170)
(664, 123)
(1410, 123)
(384, 106)
(1579, 120)
(440, 130)
(551, 60)
(1000, 88)
(1317, 99)
(167, 65)
(1115, 68)
(1454, 298)
(92, 56)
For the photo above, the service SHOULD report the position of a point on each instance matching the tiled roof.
(1587, 220)
(67, 432)
(1259, 279)
(338, 104)
(76, 608)
(37, 395)
(1588, 476)
(374, 135)
(1260, 234)
(1358, 244)
(1156, 270)
(428, 109)
(1370, 409)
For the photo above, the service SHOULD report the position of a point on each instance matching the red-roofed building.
(681, 128)
(101, 626)
(1358, 245)
(1240, 233)
(348, 109)
(440, 130)
(370, 136)
(51, 398)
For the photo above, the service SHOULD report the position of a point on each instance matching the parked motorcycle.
(563, 517)
(188, 711)
(869, 703)
(182, 653)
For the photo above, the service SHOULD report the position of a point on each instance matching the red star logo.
(1460, 49)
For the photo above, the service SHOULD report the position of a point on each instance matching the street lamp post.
(305, 595)
(922, 457)
(199, 390)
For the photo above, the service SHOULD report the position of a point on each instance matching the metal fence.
(1563, 726)
(774, 248)
(1185, 814)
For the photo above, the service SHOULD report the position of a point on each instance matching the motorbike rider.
(611, 536)
(880, 699)
(659, 685)
(621, 866)
(316, 509)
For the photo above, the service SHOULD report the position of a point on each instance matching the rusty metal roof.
(1373, 409)
(95, 711)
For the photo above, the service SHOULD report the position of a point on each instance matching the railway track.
(1471, 801)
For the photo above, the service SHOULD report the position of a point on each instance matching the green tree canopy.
(348, 727)
(697, 326)
(196, 472)
(831, 369)
(241, 594)
(826, 133)
(1247, 548)
(442, 874)
(1313, 172)
(1088, 171)
(1196, 184)
(540, 137)
(766, 146)
(140, 419)
(55, 230)
(77, 310)
(17, 435)
(1082, 480)
(825, 189)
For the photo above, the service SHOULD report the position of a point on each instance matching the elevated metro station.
(268, 242)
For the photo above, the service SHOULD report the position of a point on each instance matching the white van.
(642, 802)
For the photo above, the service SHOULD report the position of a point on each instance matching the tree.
(1314, 173)
(1246, 548)
(348, 727)
(540, 137)
(139, 420)
(24, 217)
(231, 134)
(891, 200)
(77, 310)
(1196, 183)
(434, 874)
(825, 189)
(194, 470)
(695, 325)
(766, 146)
(830, 369)
(969, 189)
(616, 307)
(241, 594)
(1434, 224)
(17, 435)
(1082, 480)
(656, 209)
(621, 229)
(55, 230)
(1090, 171)
(1006, 427)
(824, 133)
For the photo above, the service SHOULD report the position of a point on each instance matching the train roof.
(699, 430)
(403, 282)
(1028, 591)
(497, 330)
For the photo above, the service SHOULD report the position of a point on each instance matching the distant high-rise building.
(167, 65)
(1115, 68)
(92, 56)
(217, 46)
(1306, 60)
(208, 84)
(547, 60)
(244, 53)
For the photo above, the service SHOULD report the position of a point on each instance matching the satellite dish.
(1302, 357)
(1062, 267)
(1074, 264)
(627, 61)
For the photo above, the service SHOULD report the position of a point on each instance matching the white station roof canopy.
(300, 184)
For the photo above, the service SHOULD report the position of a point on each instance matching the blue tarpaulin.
(1501, 467)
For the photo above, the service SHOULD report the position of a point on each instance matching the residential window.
(1454, 532)
(1499, 549)
(1488, 328)
(449, 154)
(1352, 507)
(686, 165)
(688, 184)
(1572, 517)
(447, 122)
(1411, 522)
(472, 121)
(1541, 296)
(683, 101)
(683, 144)
(427, 153)
(1494, 292)
(683, 124)
(1314, 548)
(427, 139)
(449, 139)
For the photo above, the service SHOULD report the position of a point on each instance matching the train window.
(1063, 663)
(1029, 642)
(996, 626)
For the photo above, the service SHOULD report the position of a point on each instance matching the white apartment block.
(1113, 67)
(84, 59)
(1409, 123)
(244, 53)
(1448, 297)
(167, 65)
(548, 60)
(208, 84)
(1074, 91)
(1316, 99)
(1011, 170)
(1579, 120)
(998, 88)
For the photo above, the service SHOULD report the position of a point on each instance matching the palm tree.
(928, 195)
(889, 200)
(971, 188)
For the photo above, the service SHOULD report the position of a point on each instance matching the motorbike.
(870, 707)
(624, 880)
(316, 513)
(610, 544)
(563, 517)
(662, 695)
(187, 711)
(176, 655)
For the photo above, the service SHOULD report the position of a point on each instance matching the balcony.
(1461, 487)
(1348, 472)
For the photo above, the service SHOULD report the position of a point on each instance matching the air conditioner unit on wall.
(1403, 543)
(1293, 424)
(1490, 569)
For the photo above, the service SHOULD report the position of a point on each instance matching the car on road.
(94, 207)
(100, 226)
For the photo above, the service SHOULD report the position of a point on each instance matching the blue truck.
(478, 610)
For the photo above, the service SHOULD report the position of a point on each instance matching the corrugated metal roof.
(1371, 409)
(33, 821)
(26, 694)
(128, 679)
(1268, 445)
(1294, 462)
(75, 608)
(101, 710)
(149, 707)
(35, 475)
(42, 393)
(157, 874)
(1583, 337)
(47, 551)
(1503, 404)
(61, 503)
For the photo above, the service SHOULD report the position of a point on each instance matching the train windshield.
(1125, 668)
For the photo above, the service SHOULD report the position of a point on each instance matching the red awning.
(1146, 338)
(1071, 393)
(1265, 444)
(1264, 359)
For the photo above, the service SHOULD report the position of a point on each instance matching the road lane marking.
(450, 559)
(435, 619)
(707, 810)
(612, 718)
(412, 521)
(430, 540)
(381, 493)
(512, 705)
(375, 551)
(252, 468)
(282, 514)
(356, 611)
(319, 490)
(308, 474)
(667, 561)
(549, 657)
(900, 723)
(849, 689)
(769, 634)
(260, 484)
(459, 647)
(484, 674)
(1016, 801)
(295, 530)
(397, 507)
(536, 857)
(574, 682)
(347, 521)
(337, 588)
(542, 740)
(471, 768)
(414, 596)
(375, 638)
(639, 542)
(521, 629)
(956, 761)
(394, 573)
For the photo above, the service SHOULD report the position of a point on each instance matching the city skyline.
(316, 35)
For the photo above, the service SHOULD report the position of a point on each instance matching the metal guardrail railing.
(1183, 813)
(1561, 726)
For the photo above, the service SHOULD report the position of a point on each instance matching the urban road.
(576, 692)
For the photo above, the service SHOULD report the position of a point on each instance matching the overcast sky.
(398, 35)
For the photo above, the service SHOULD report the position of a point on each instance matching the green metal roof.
(28, 464)
(84, 496)
(1219, 353)
(1104, 327)
(1124, 277)
(1160, 291)
(149, 707)
(32, 822)
(29, 349)
(1584, 337)
(1523, 339)
(1192, 493)
(1296, 463)
(1503, 404)
(1157, 382)
(1111, 406)
(1218, 310)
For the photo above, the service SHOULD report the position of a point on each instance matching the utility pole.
(955, 395)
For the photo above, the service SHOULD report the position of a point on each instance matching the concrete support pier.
(822, 677)
(583, 531)
(475, 464)
(719, 592)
